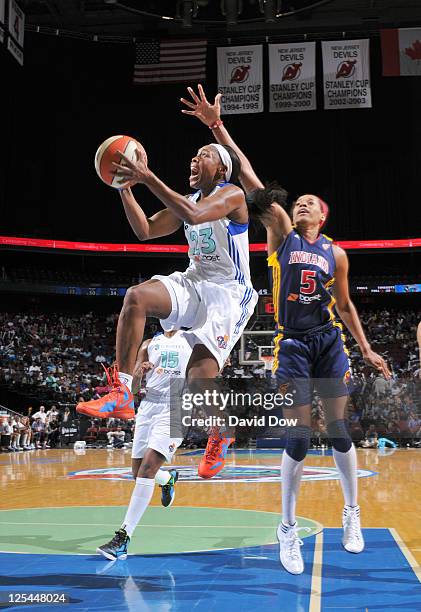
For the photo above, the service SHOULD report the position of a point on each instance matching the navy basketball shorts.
(317, 360)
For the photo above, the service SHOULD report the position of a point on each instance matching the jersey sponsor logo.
(303, 257)
(293, 297)
(160, 371)
(207, 258)
(222, 341)
(308, 299)
(230, 473)
(326, 246)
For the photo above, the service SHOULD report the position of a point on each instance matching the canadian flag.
(401, 52)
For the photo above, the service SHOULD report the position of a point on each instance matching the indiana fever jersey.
(303, 274)
(170, 357)
(218, 250)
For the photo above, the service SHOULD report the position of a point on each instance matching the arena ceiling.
(219, 18)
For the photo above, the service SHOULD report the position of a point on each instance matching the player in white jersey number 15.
(163, 360)
(213, 299)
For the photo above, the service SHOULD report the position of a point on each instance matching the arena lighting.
(231, 10)
(269, 8)
(187, 13)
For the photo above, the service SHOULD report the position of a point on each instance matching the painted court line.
(316, 578)
(406, 552)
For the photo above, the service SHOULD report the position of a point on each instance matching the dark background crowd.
(48, 362)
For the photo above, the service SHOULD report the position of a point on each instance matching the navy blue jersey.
(303, 274)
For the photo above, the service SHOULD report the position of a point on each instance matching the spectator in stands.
(41, 414)
(39, 435)
(116, 437)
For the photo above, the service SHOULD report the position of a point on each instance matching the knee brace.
(339, 436)
(298, 442)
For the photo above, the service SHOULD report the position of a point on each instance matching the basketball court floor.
(215, 548)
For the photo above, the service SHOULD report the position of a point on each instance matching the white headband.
(225, 159)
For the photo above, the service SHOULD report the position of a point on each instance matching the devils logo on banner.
(292, 70)
(346, 68)
(240, 79)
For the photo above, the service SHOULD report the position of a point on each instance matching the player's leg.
(332, 373)
(292, 369)
(151, 298)
(297, 445)
(345, 457)
(147, 467)
(201, 373)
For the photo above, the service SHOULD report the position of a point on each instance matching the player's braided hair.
(259, 201)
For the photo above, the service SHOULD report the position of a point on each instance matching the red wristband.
(217, 124)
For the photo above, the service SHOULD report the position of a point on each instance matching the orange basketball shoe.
(118, 403)
(213, 460)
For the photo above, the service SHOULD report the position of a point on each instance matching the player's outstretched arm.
(221, 204)
(161, 224)
(349, 315)
(210, 115)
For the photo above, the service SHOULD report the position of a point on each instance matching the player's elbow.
(191, 218)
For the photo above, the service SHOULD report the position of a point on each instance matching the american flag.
(174, 61)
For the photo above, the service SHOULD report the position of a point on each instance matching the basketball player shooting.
(310, 279)
(213, 299)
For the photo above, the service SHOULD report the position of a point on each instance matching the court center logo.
(231, 473)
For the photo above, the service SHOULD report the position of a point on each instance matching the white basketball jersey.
(218, 250)
(170, 357)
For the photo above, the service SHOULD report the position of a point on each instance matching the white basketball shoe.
(290, 548)
(352, 540)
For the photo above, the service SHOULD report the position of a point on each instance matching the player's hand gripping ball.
(108, 153)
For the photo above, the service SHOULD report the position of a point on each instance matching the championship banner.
(346, 68)
(2, 5)
(292, 76)
(240, 79)
(16, 31)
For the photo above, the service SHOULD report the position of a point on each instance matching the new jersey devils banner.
(346, 68)
(292, 75)
(240, 79)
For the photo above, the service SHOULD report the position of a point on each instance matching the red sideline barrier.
(104, 247)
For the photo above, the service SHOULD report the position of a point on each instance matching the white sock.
(162, 477)
(139, 501)
(126, 379)
(347, 468)
(291, 471)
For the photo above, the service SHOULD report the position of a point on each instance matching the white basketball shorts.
(215, 314)
(152, 430)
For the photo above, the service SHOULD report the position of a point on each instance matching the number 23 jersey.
(303, 274)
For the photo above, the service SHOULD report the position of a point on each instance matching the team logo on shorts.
(347, 377)
(222, 341)
(171, 448)
(284, 388)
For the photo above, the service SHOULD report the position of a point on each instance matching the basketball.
(108, 152)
